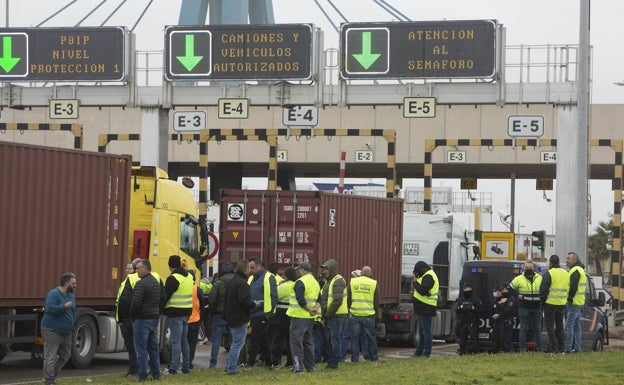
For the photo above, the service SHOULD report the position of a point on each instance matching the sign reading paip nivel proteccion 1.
(63, 54)
(424, 49)
(239, 52)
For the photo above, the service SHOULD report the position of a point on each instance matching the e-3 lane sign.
(427, 49)
(63, 54)
(239, 52)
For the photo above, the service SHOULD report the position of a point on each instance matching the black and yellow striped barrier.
(74, 129)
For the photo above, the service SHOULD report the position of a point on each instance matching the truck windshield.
(189, 237)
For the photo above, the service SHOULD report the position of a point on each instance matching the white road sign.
(525, 126)
(189, 121)
(300, 116)
(64, 109)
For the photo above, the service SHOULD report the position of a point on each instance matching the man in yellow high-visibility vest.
(426, 288)
(576, 301)
(553, 294)
(334, 310)
(363, 301)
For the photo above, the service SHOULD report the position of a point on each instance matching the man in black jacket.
(216, 301)
(426, 287)
(179, 292)
(147, 301)
(236, 312)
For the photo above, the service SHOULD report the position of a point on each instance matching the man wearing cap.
(553, 294)
(363, 301)
(334, 310)
(302, 309)
(575, 302)
(467, 311)
(179, 306)
(216, 301)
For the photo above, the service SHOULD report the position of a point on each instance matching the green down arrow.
(366, 58)
(7, 62)
(189, 60)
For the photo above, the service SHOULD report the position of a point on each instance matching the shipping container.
(62, 211)
(290, 227)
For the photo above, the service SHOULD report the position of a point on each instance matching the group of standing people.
(275, 310)
(557, 294)
(141, 300)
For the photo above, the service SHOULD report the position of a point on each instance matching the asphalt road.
(18, 368)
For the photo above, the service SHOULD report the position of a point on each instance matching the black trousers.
(467, 337)
(553, 318)
(259, 340)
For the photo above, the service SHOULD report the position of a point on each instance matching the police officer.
(503, 312)
(467, 328)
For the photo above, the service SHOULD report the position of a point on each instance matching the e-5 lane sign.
(426, 49)
(63, 54)
(239, 52)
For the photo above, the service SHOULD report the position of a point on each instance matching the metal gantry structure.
(514, 82)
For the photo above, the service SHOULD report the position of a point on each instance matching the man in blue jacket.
(57, 325)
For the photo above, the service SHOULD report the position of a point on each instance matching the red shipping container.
(62, 210)
(291, 227)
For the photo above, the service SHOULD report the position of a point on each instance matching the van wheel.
(4, 349)
(598, 343)
(84, 339)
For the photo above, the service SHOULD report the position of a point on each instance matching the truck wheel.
(84, 339)
(599, 343)
(4, 349)
(165, 340)
(414, 337)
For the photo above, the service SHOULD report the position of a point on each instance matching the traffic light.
(541, 238)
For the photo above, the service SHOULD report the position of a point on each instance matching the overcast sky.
(531, 22)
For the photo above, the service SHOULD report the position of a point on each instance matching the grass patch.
(508, 369)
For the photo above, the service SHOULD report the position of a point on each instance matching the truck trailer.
(290, 227)
(88, 213)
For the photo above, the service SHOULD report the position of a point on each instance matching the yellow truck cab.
(163, 221)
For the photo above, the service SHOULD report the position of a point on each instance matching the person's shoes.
(248, 368)
(331, 367)
(212, 366)
(297, 371)
(275, 367)
(168, 372)
(232, 373)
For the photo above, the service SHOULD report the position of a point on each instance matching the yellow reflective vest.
(362, 296)
(330, 296)
(432, 298)
(183, 297)
(311, 295)
(579, 297)
(559, 286)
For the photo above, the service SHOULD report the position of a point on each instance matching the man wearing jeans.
(57, 325)
(236, 312)
(216, 300)
(426, 288)
(334, 310)
(179, 294)
(147, 299)
(576, 300)
(528, 285)
(363, 303)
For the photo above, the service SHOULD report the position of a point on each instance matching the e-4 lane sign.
(63, 54)
(239, 52)
(427, 49)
